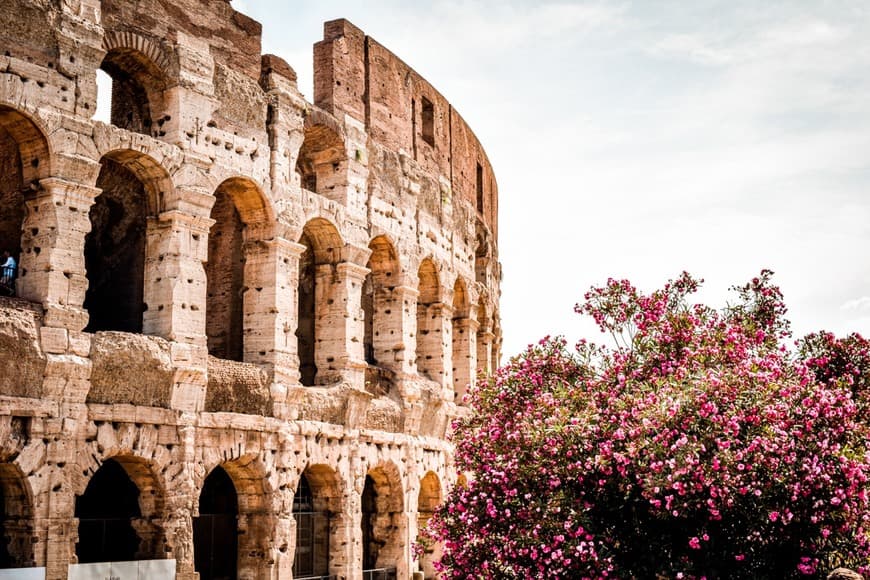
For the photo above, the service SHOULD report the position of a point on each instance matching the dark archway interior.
(5, 558)
(106, 511)
(16, 521)
(215, 531)
(305, 334)
(368, 308)
(115, 251)
(11, 198)
(225, 272)
(371, 545)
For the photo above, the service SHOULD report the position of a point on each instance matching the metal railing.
(7, 280)
(380, 574)
(311, 560)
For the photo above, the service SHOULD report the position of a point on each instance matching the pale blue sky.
(638, 139)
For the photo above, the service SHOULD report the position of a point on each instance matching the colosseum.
(240, 323)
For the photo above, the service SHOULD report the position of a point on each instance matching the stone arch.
(241, 213)
(320, 520)
(16, 518)
(24, 160)
(323, 245)
(430, 315)
(428, 500)
(254, 525)
(119, 512)
(133, 187)
(322, 161)
(138, 69)
(383, 525)
(379, 302)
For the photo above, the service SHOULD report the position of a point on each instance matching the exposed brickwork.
(229, 284)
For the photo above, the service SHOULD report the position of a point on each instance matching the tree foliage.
(697, 446)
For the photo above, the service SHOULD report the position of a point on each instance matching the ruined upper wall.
(234, 38)
(355, 75)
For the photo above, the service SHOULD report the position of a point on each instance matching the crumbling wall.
(22, 362)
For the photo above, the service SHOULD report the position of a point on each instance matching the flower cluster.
(697, 446)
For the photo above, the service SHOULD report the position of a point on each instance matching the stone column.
(484, 348)
(464, 355)
(395, 327)
(339, 323)
(52, 269)
(434, 344)
(175, 284)
(270, 303)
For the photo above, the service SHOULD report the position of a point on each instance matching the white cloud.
(861, 304)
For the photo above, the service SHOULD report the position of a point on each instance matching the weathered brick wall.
(228, 276)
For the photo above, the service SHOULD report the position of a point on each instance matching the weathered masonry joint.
(240, 323)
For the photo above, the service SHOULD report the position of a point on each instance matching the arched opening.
(215, 530)
(238, 206)
(317, 511)
(461, 348)
(381, 525)
(24, 160)
(137, 86)
(428, 500)
(316, 307)
(322, 162)
(131, 185)
(16, 520)
(380, 313)
(116, 516)
(430, 338)
(306, 336)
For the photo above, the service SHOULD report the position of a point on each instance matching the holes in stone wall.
(430, 353)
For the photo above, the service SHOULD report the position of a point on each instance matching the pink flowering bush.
(698, 446)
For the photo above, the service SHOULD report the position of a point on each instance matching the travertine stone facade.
(243, 321)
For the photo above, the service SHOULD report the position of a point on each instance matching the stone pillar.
(270, 303)
(181, 504)
(433, 344)
(52, 269)
(339, 323)
(175, 284)
(464, 355)
(484, 348)
(395, 327)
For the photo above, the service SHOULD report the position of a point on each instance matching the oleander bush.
(698, 445)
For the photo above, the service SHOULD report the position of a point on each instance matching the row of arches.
(120, 514)
(124, 255)
(133, 80)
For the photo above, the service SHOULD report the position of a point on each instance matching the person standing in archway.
(7, 272)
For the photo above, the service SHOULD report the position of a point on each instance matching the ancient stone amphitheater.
(241, 323)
